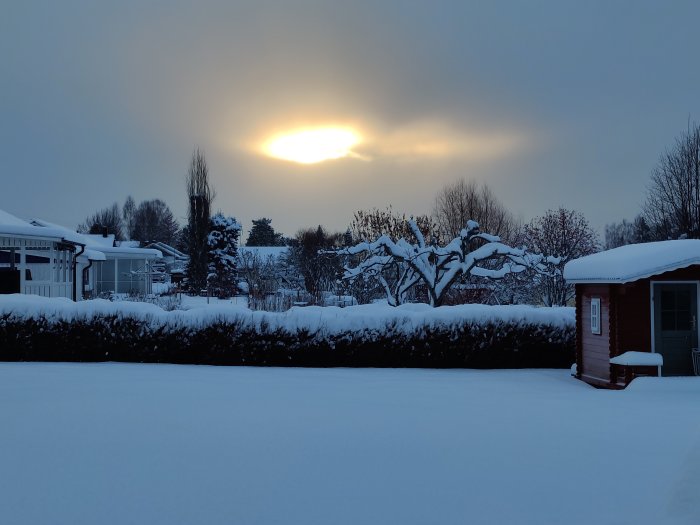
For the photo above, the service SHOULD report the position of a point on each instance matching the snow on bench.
(638, 359)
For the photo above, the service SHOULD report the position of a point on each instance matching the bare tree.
(200, 196)
(153, 221)
(626, 232)
(128, 211)
(566, 235)
(672, 208)
(314, 259)
(464, 200)
(106, 221)
(368, 225)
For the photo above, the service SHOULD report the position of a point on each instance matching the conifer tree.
(263, 234)
(223, 255)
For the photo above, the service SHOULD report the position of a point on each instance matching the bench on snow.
(625, 367)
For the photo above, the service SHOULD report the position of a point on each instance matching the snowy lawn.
(164, 444)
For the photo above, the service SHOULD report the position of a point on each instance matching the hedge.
(232, 340)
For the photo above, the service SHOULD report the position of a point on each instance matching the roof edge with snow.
(633, 262)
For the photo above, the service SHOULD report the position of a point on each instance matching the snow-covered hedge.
(416, 335)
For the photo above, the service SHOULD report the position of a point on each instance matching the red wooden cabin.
(636, 298)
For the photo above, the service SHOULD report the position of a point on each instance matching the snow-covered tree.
(222, 242)
(436, 267)
(390, 277)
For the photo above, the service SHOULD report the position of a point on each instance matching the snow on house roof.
(100, 240)
(11, 225)
(633, 262)
(67, 233)
(168, 250)
(92, 255)
(7, 219)
(99, 243)
(130, 253)
(129, 244)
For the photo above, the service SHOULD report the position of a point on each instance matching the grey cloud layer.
(573, 100)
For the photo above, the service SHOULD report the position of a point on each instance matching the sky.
(549, 103)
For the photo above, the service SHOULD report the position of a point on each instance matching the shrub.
(233, 336)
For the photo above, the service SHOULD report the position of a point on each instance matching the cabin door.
(675, 326)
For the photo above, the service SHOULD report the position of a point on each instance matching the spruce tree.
(263, 234)
(223, 255)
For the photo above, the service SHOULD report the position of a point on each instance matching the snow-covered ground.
(164, 444)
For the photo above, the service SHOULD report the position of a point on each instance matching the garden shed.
(634, 301)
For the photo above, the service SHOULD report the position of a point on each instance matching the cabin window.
(595, 315)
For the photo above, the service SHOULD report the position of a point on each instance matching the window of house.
(595, 315)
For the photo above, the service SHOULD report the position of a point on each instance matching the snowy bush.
(479, 336)
(222, 243)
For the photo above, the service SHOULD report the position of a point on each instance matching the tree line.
(671, 209)
(376, 256)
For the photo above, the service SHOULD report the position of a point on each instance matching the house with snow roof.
(174, 261)
(636, 311)
(41, 261)
(122, 269)
(41, 258)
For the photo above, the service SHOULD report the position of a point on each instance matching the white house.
(174, 261)
(40, 261)
(120, 269)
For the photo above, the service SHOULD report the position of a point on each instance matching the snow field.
(162, 444)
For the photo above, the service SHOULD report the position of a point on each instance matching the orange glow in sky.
(310, 146)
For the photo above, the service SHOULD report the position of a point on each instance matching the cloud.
(422, 140)
(432, 139)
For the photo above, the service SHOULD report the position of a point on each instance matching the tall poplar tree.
(200, 196)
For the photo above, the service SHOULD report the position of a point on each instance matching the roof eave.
(635, 277)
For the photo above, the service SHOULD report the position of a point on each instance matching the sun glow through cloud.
(310, 146)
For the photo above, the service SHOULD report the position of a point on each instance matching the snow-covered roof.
(99, 243)
(100, 240)
(168, 250)
(11, 225)
(7, 219)
(633, 262)
(130, 253)
(66, 233)
(92, 255)
(129, 244)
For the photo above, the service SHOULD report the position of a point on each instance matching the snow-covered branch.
(438, 268)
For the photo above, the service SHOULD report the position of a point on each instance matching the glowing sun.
(309, 146)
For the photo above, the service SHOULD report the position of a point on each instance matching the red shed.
(636, 298)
